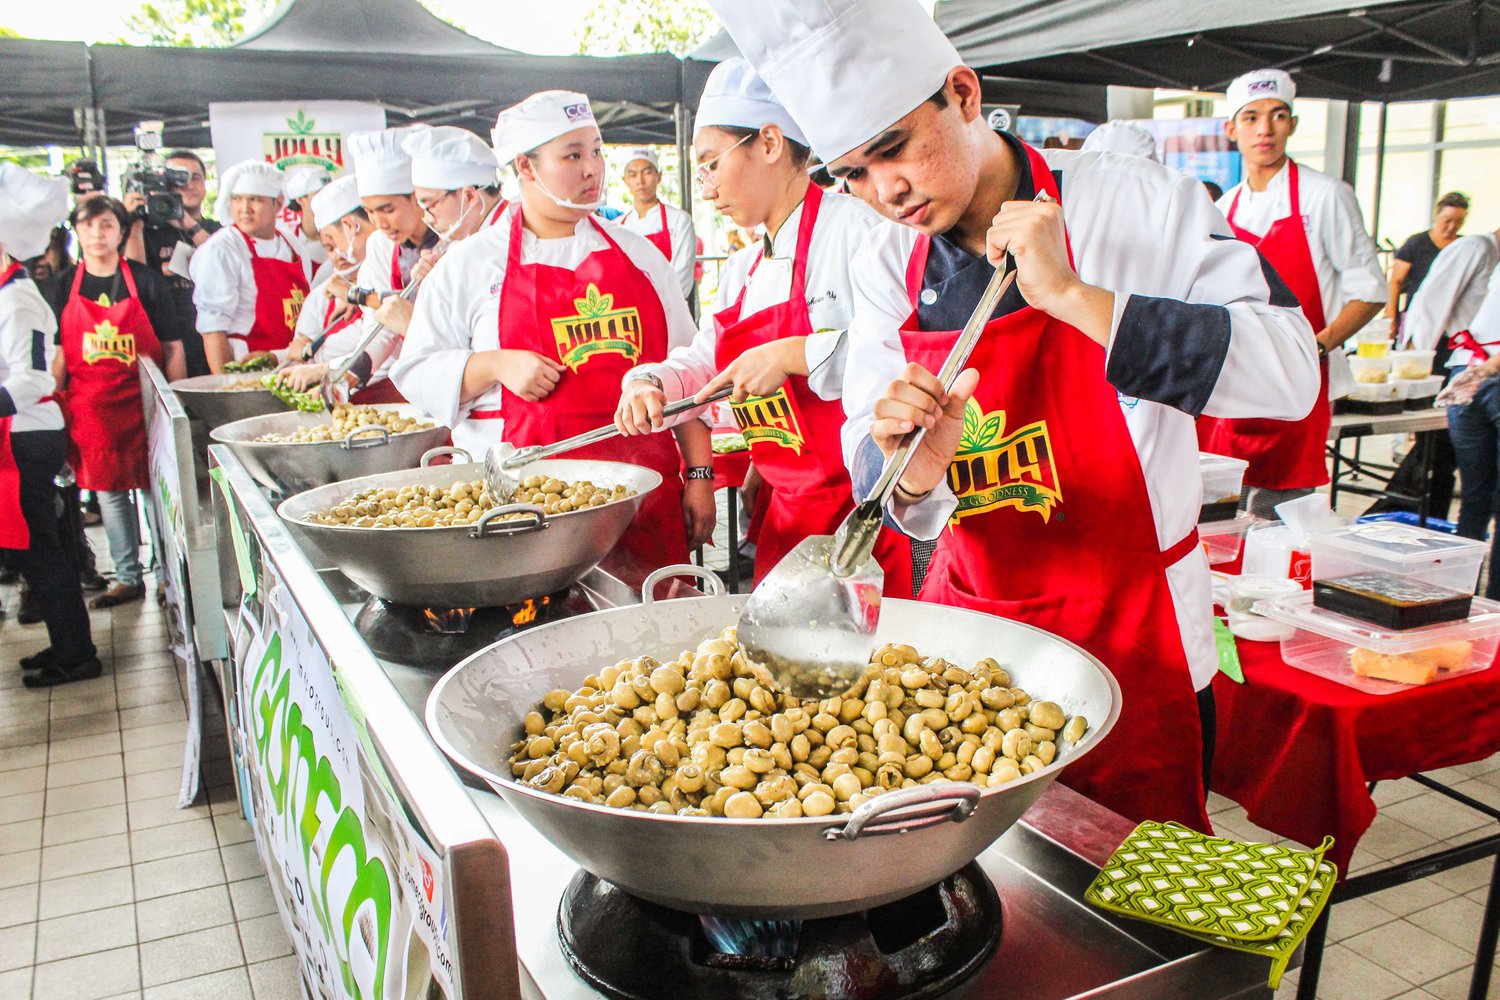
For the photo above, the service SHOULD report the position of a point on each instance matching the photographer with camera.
(166, 205)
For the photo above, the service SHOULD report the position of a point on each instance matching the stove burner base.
(400, 633)
(920, 946)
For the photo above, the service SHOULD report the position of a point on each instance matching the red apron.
(662, 238)
(794, 434)
(1054, 528)
(106, 417)
(1283, 454)
(280, 287)
(599, 319)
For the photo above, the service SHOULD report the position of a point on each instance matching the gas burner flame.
(447, 621)
(529, 610)
(753, 938)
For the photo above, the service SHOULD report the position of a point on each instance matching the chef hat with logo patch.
(1259, 84)
(538, 120)
(448, 158)
(248, 177)
(845, 69)
(643, 153)
(737, 97)
(30, 207)
(303, 181)
(337, 199)
(381, 166)
(1122, 137)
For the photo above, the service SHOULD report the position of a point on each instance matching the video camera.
(84, 177)
(160, 186)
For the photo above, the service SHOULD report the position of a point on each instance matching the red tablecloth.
(1297, 750)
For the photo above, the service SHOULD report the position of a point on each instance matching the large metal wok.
(490, 563)
(789, 868)
(204, 397)
(291, 468)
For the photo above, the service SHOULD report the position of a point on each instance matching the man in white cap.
(1060, 470)
(343, 229)
(456, 179)
(248, 281)
(296, 222)
(525, 330)
(33, 443)
(668, 227)
(1309, 227)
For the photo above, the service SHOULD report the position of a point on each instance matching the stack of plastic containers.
(1221, 526)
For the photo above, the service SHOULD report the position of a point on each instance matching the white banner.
(289, 133)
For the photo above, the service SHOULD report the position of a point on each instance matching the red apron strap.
(1466, 340)
(916, 265)
(486, 414)
(1174, 554)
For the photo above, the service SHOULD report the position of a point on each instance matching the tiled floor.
(106, 888)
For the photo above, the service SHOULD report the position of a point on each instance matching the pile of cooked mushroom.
(462, 503)
(346, 419)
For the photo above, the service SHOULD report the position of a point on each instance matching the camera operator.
(154, 240)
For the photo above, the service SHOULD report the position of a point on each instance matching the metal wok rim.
(214, 434)
(215, 383)
(834, 820)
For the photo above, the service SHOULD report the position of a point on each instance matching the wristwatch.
(641, 375)
(700, 472)
(356, 295)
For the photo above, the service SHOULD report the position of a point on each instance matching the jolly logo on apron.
(106, 342)
(291, 307)
(771, 419)
(993, 469)
(597, 328)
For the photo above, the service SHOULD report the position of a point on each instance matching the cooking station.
(1013, 923)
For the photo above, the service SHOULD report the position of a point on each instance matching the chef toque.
(303, 181)
(1259, 84)
(737, 97)
(252, 177)
(845, 69)
(30, 207)
(1122, 137)
(381, 166)
(538, 120)
(643, 153)
(449, 158)
(337, 199)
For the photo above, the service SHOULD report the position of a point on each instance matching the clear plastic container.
(1379, 661)
(1374, 341)
(1419, 572)
(1370, 370)
(1245, 592)
(1412, 364)
(1222, 479)
(1222, 540)
(1377, 392)
(1420, 392)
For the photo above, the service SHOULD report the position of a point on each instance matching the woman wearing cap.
(777, 331)
(33, 443)
(525, 331)
(1060, 472)
(248, 282)
(668, 227)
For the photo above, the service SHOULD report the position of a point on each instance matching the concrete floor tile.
(83, 747)
(1408, 951)
(264, 938)
(252, 897)
(1411, 897)
(277, 979)
(1455, 985)
(84, 856)
(16, 808)
(18, 905)
(1349, 976)
(17, 947)
(86, 824)
(1436, 814)
(23, 836)
(86, 725)
(155, 735)
(147, 677)
(16, 982)
(87, 977)
(1356, 916)
(187, 956)
(1454, 920)
(153, 784)
(77, 772)
(89, 795)
(25, 735)
(82, 933)
(180, 838)
(23, 757)
(21, 868)
(97, 697)
(230, 984)
(147, 715)
(151, 694)
(241, 861)
(155, 758)
(23, 781)
(178, 874)
(183, 912)
(79, 893)
(232, 829)
(151, 813)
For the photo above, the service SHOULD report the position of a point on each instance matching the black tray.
(1383, 408)
(1219, 510)
(1357, 602)
(1421, 402)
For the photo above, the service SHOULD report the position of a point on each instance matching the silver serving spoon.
(811, 621)
(504, 461)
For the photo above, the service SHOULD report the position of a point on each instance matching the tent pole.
(1379, 170)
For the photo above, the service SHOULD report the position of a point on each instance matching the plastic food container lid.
(1298, 610)
(1210, 463)
(1420, 388)
(1235, 526)
(1377, 392)
(1407, 544)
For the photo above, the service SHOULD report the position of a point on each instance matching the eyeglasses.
(427, 206)
(706, 169)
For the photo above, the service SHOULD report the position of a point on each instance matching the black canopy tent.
(45, 91)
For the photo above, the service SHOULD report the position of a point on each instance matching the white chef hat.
(736, 96)
(643, 153)
(381, 166)
(335, 200)
(845, 69)
(448, 158)
(539, 119)
(30, 206)
(303, 181)
(252, 177)
(1259, 84)
(1123, 137)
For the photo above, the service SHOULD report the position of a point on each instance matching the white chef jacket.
(310, 250)
(1147, 233)
(224, 282)
(28, 328)
(458, 313)
(684, 239)
(310, 325)
(1451, 295)
(375, 273)
(1343, 253)
(843, 222)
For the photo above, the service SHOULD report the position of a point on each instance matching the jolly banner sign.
(289, 133)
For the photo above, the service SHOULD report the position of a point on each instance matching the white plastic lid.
(1298, 610)
(1233, 526)
(1210, 463)
(1406, 544)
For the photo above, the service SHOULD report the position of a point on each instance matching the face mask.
(565, 203)
(463, 214)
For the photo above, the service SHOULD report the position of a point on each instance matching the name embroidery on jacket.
(106, 342)
(597, 328)
(993, 469)
(771, 419)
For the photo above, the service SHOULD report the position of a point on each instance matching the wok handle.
(489, 524)
(431, 453)
(922, 806)
(383, 438)
(715, 586)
